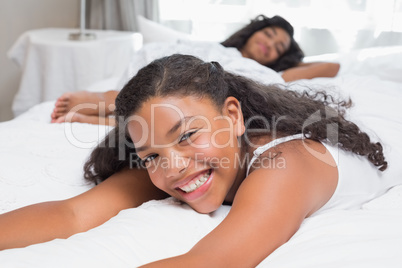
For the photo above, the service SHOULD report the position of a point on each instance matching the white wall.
(18, 16)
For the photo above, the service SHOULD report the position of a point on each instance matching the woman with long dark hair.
(270, 42)
(191, 130)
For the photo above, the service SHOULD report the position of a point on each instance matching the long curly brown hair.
(293, 56)
(308, 112)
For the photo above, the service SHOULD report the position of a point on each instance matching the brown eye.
(185, 136)
(146, 162)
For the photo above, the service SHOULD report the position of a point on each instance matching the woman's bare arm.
(311, 70)
(61, 219)
(110, 98)
(268, 209)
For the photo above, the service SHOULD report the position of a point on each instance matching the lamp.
(82, 35)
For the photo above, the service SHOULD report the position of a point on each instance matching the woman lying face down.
(202, 135)
(189, 129)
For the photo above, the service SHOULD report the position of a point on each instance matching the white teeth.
(195, 184)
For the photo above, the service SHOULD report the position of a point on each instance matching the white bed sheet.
(42, 161)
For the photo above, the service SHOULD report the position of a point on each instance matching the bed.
(41, 161)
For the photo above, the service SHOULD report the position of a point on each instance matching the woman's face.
(190, 148)
(267, 45)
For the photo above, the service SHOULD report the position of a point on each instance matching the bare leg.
(86, 103)
(72, 117)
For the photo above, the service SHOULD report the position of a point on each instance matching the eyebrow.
(175, 127)
(178, 124)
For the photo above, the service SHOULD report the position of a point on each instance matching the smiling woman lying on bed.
(213, 144)
(268, 41)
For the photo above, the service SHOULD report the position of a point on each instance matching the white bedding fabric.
(229, 58)
(42, 161)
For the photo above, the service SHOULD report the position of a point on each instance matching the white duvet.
(42, 161)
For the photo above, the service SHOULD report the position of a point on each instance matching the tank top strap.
(257, 152)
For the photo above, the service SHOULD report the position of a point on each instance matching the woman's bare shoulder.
(269, 207)
(300, 165)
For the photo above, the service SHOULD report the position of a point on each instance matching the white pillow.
(155, 32)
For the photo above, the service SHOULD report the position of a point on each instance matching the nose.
(269, 42)
(272, 52)
(175, 164)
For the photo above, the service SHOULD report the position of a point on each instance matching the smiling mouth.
(196, 183)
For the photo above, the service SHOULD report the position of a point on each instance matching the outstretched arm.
(311, 70)
(60, 219)
(268, 209)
